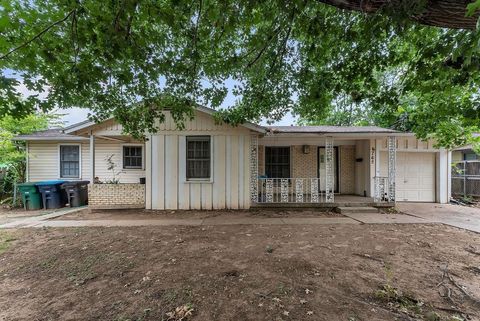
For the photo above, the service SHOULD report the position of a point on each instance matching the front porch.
(341, 200)
(323, 171)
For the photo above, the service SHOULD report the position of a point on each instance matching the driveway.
(454, 215)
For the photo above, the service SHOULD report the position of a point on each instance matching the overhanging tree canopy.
(129, 57)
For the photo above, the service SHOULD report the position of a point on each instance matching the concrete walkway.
(376, 218)
(27, 221)
(454, 215)
(187, 222)
(417, 213)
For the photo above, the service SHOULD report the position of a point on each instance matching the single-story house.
(208, 165)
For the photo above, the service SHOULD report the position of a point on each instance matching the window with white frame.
(132, 157)
(198, 157)
(69, 161)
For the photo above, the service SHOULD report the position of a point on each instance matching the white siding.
(104, 149)
(43, 161)
(229, 183)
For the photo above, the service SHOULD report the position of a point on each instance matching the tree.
(134, 58)
(439, 13)
(13, 153)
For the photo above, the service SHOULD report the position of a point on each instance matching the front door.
(321, 168)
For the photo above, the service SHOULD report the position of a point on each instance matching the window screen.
(198, 157)
(69, 161)
(469, 156)
(277, 162)
(132, 157)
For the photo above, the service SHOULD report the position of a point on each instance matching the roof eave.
(345, 134)
(50, 138)
(80, 126)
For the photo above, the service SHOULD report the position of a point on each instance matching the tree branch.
(38, 35)
(439, 13)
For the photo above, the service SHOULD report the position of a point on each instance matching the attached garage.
(415, 176)
(422, 170)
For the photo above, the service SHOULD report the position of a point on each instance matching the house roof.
(50, 134)
(209, 111)
(331, 129)
(66, 133)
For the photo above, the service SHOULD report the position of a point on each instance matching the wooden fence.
(466, 178)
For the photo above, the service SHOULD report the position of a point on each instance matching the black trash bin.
(77, 192)
(52, 194)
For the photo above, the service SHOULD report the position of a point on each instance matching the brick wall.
(304, 165)
(116, 195)
(261, 160)
(347, 169)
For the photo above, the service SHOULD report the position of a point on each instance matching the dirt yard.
(322, 272)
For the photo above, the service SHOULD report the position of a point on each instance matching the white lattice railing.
(290, 190)
(381, 189)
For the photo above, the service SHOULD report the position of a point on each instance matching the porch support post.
(92, 158)
(329, 170)
(392, 160)
(253, 168)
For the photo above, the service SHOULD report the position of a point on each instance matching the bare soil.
(321, 272)
(140, 214)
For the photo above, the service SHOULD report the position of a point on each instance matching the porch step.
(353, 209)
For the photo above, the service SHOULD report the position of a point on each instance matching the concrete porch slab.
(377, 218)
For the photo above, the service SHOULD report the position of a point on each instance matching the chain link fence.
(466, 178)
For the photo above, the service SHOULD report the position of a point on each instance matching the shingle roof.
(330, 129)
(59, 133)
(49, 134)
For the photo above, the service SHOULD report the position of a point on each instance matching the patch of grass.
(5, 241)
(141, 317)
(404, 302)
(79, 270)
(396, 298)
(49, 263)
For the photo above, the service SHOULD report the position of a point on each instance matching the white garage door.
(415, 179)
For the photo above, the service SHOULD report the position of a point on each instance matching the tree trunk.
(439, 13)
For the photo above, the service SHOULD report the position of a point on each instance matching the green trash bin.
(32, 199)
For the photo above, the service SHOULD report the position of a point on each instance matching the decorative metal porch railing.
(290, 190)
(381, 185)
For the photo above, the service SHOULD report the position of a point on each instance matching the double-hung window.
(277, 162)
(132, 157)
(69, 161)
(198, 157)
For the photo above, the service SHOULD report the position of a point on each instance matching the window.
(198, 157)
(132, 157)
(469, 156)
(277, 162)
(69, 161)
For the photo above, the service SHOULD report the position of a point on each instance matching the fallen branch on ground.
(446, 276)
(367, 256)
(472, 250)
